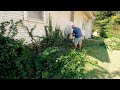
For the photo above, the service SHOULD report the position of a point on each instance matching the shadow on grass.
(97, 73)
(102, 74)
(97, 49)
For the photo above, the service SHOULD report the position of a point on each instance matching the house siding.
(61, 18)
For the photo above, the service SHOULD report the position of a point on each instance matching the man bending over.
(78, 37)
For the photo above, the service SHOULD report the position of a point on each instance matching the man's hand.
(70, 33)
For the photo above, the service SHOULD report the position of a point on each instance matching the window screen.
(36, 14)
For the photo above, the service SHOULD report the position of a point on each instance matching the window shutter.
(72, 16)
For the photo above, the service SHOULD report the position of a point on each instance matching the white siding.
(8, 15)
(22, 33)
(78, 19)
(61, 18)
(89, 29)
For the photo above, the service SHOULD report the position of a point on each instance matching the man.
(78, 37)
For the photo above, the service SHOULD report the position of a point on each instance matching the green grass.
(100, 53)
(108, 66)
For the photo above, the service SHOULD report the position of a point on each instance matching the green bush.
(103, 34)
(107, 23)
(72, 65)
(48, 60)
(116, 19)
(17, 61)
(10, 50)
(53, 37)
(112, 28)
(113, 43)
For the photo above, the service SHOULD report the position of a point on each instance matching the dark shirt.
(77, 32)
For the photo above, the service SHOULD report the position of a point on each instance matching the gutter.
(89, 14)
(92, 15)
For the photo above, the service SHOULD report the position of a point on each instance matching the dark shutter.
(72, 16)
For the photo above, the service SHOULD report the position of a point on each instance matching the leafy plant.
(107, 23)
(72, 65)
(16, 60)
(9, 26)
(113, 43)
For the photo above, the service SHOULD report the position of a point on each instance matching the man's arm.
(73, 33)
(70, 33)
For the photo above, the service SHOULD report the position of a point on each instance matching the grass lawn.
(108, 66)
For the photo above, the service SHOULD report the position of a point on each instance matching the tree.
(106, 21)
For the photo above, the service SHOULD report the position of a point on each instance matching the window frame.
(27, 18)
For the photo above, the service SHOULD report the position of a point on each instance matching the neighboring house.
(82, 19)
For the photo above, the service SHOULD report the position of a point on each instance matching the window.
(72, 16)
(35, 16)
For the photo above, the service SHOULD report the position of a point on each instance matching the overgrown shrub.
(72, 65)
(53, 37)
(16, 60)
(48, 60)
(10, 51)
(113, 43)
(116, 19)
(107, 23)
(116, 32)
(103, 34)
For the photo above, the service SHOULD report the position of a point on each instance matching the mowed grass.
(108, 62)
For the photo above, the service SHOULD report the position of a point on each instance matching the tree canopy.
(107, 23)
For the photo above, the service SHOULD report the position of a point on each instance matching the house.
(82, 19)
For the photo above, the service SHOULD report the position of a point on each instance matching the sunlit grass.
(108, 62)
